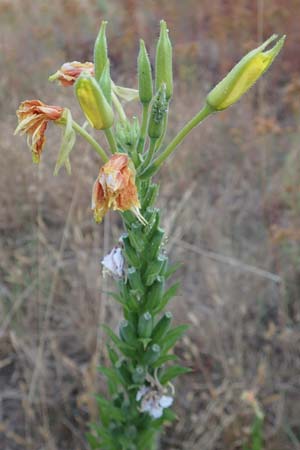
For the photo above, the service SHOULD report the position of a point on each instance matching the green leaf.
(172, 269)
(173, 372)
(67, 144)
(109, 410)
(171, 292)
(172, 337)
(126, 349)
(163, 359)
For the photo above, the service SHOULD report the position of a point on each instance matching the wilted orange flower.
(70, 71)
(33, 116)
(115, 188)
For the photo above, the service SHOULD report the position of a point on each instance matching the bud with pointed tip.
(158, 111)
(243, 75)
(144, 75)
(163, 65)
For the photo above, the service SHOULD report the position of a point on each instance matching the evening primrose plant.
(142, 366)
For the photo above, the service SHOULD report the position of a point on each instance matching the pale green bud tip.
(244, 75)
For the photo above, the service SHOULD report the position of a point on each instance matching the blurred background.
(231, 203)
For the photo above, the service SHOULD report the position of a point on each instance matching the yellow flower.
(33, 116)
(115, 188)
(244, 75)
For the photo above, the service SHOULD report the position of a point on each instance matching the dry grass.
(231, 207)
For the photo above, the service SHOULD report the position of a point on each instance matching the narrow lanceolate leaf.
(173, 372)
(107, 407)
(168, 295)
(163, 359)
(173, 336)
(67, 144)
(126, 349)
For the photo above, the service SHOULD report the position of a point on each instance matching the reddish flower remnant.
(70, 71)
(115, 187)
(33, 117)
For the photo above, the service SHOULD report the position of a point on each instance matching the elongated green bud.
(123, 371)
(136, 237)
(144, 75)
(105, 81)
(153, 249)
(145, 325)
(100, 51)
(130, 254)
(152, 354)
(138, 375)
(127, 333)
(243, 75)
(163, 65)
(158, 111)
(155, 294)
(162, 327)
(153, 269)
(135, 281)
(93, 102)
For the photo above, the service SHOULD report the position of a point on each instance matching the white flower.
(153, 401)
(113, 263)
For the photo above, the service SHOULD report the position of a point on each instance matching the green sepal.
(100, 51)
(162, 327)
(152, 354)
(105, 81)
(172, 336)
(145, 325)
(144, 75)
(145, 342)
(168, 295)
(67, 143)
(173, 372)
(127, 332)
(154, 268)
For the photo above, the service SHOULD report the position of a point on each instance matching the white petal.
(141, 392)
(156, 412)
(165, 401)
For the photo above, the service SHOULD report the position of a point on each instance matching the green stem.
(149, 155)
(80, 130)
(119, 107)
(205, 112)
(141, 142)
(161, 139)
(111, 140)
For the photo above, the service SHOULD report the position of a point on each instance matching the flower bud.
(100, 51)
(162, 327)
(93, 102)
(145, 325)
(139, 374)
(243, 75)
(154, 269)
(135, 281)
(158, 111)
(155, 293)
(152, 354)
(163, 66)
(126, 332)
(144, 75)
